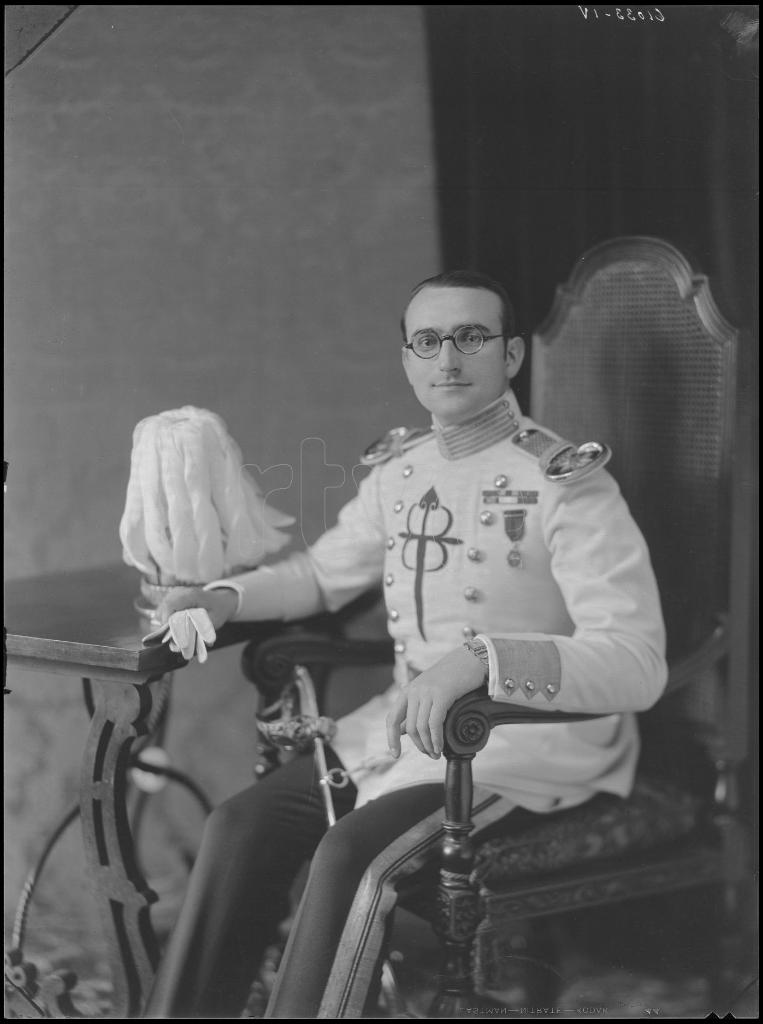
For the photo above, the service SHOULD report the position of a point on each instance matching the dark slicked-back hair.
(468, 279)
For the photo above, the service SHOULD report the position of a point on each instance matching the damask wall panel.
(222, 206)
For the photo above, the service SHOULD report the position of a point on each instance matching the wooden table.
(85, 624)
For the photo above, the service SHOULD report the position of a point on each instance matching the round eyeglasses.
(468, 339)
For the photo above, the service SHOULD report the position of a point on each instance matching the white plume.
(192, 512)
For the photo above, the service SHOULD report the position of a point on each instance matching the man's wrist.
(234, 589)
(478, 648)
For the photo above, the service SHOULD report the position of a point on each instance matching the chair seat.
(655, 814)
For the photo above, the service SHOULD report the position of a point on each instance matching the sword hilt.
(308, 703)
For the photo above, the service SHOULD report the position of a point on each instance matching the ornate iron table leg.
(121, 714)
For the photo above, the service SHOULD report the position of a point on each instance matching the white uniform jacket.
(469, 537)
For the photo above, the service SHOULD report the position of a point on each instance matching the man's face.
(454, 386)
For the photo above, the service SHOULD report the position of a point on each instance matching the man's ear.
(406, 357)
(515, 354)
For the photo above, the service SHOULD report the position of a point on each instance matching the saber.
(308, 703)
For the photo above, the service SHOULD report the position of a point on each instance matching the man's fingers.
(394, 723)
(436, 723)
(157, 636)
(183, 633)
(411, 723)
(201, 620)
(422, 726)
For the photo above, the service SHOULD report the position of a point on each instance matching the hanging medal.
(514, 525)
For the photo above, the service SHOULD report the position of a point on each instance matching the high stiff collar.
(492, 424)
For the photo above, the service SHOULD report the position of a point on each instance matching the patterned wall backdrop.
(222, 206)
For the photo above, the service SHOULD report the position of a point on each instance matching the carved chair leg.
(456, 920)
(457, 914)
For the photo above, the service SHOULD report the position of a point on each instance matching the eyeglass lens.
(466, 339)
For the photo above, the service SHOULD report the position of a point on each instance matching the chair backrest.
(636, 354)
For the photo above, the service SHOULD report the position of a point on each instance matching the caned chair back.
(636, 354)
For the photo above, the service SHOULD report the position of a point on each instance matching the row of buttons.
(510, 685)
(473, 554)
(467, 631)
(470, 593)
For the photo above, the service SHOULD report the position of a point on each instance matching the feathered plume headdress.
(192, 512)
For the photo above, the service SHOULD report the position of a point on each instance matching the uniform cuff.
(523, 669)
(228, 585)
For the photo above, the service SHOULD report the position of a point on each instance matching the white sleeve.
(615, 659)
(343, 563)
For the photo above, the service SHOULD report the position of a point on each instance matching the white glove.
(189, 632)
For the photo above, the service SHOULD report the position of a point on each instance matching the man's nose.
(449, 359)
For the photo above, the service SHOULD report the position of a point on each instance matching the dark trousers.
(252, 849)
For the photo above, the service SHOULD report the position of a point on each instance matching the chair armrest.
(466, 731)
(471, 717)
(269, 664)
(709, 652)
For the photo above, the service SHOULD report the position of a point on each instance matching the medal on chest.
(514, 518)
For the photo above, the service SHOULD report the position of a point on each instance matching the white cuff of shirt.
(228, 585)
(492, 660)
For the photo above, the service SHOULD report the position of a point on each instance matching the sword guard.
(299, 732)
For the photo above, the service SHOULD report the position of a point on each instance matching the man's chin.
(452, 405)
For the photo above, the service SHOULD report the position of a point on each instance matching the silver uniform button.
(399, 647)
(471, 594)
(407, 471)
(501, 480)
(508, 685)
(394, 615)
(389, 579)
(486, 518)
(474, 555)
(550, 688)
(529, 685)
(390, 543)
(468, 632)
(398, 506)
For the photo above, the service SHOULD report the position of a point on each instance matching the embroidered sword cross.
(425, 548)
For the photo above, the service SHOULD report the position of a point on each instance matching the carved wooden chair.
(634, 354)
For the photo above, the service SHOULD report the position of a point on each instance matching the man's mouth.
(453, 384)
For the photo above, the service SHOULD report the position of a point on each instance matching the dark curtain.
(554, 131)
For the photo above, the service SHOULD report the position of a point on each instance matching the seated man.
(507, 557)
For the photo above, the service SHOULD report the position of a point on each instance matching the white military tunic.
(470, 538)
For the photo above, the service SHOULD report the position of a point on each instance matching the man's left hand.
(421, 708)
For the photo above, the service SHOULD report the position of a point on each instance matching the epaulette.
(561, 461)
(394, 443)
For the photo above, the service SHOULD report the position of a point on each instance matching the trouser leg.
(335, 873)
(252, 848)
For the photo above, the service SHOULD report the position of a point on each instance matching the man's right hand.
(190, 617)
(220, 605)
